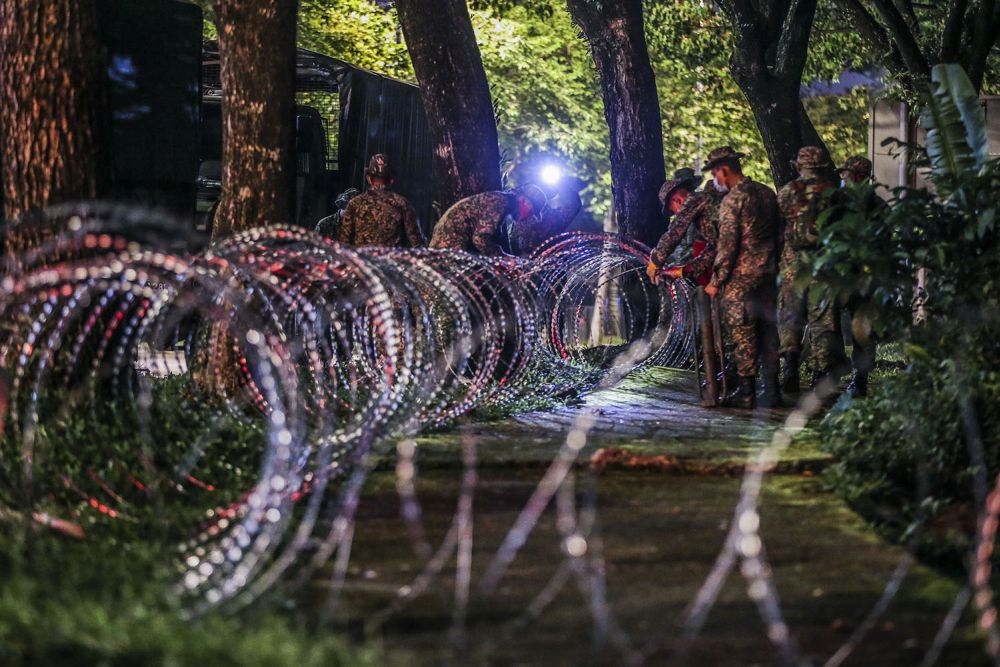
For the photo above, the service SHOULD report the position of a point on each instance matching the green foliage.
(903, 455)
(100, 603)
(103, 600)
(357, 31)
(549, 100)
(956, 127)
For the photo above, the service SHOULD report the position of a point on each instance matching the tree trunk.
(782, 121)
(456, 95)
(614, 29)
(257, 50)
(768, 59)
(52, 101)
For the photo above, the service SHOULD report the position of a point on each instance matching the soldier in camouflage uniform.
(745, 274)
(475, 223)
(801, 202)
(856, 171)
(528, 234)
(696, 218)
(380, 217)
(329, 225)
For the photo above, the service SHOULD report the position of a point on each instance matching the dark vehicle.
(166, 127)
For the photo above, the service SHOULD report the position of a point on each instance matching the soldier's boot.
(858, 388)
(745, 395)
(790, 374)
(770, 394)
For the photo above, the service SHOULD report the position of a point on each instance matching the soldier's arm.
(414, 234)
(345, 234)
(727, 245)
(484, 236)
(670, 239)
(703, 262)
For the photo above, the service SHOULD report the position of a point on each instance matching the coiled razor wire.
(340, 355)
(336, 352)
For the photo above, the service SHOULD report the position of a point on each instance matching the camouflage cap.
(533, 194)
(379, 167)
(683, 178)
(859, 166)
(811, 157)
(720, 154)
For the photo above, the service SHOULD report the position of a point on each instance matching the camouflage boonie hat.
(859, 166)
(379, 167)
(720, 154)
(534, 194)
(683, 178)
(811, 157)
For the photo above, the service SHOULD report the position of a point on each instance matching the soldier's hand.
(651, 271)
(711, 290)
(675, 272)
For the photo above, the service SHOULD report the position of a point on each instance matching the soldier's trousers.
(862, 341)
(792, 312)
(826, 341)
(749, 312)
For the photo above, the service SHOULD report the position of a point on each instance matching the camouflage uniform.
(859, 169)
(380, 217)
(857, 166)
(473, 224)
(528, 234)
(801, 203)
(745, 271)
(700, 214)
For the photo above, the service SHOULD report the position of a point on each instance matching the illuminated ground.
(662, 530)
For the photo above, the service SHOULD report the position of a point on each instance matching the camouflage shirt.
(700, 211)
(747, 250)
(801, 203)
(380, 217)
(473, 224)
(529, 234)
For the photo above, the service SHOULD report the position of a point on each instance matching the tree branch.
(751, 45)
(904, 39)
(793, 46)
(905, 8)
(874, 34)
(987, 29)
(951, 41)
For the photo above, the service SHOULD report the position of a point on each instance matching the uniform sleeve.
(486, 226)
(345, 234)
(414, 234)
(670, 239)
(703, 262)
(729, 239)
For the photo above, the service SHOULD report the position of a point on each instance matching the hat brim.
(690, 185)
(712, 164)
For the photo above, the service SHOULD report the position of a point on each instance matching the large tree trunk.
(456, 95)
(767, 64)
(257, 50)
(52, 101)
(614, 29)
(781, 119)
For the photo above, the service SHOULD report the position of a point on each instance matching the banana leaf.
(957, 142)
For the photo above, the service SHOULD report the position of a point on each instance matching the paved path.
(656, 413)
(661, 532)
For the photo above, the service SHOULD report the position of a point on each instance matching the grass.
(102, 601)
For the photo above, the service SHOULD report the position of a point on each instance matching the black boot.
(790, 374)
(770, 396)
(858, 388)
(745, 396)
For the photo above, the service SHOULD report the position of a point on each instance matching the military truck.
(166, 123)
